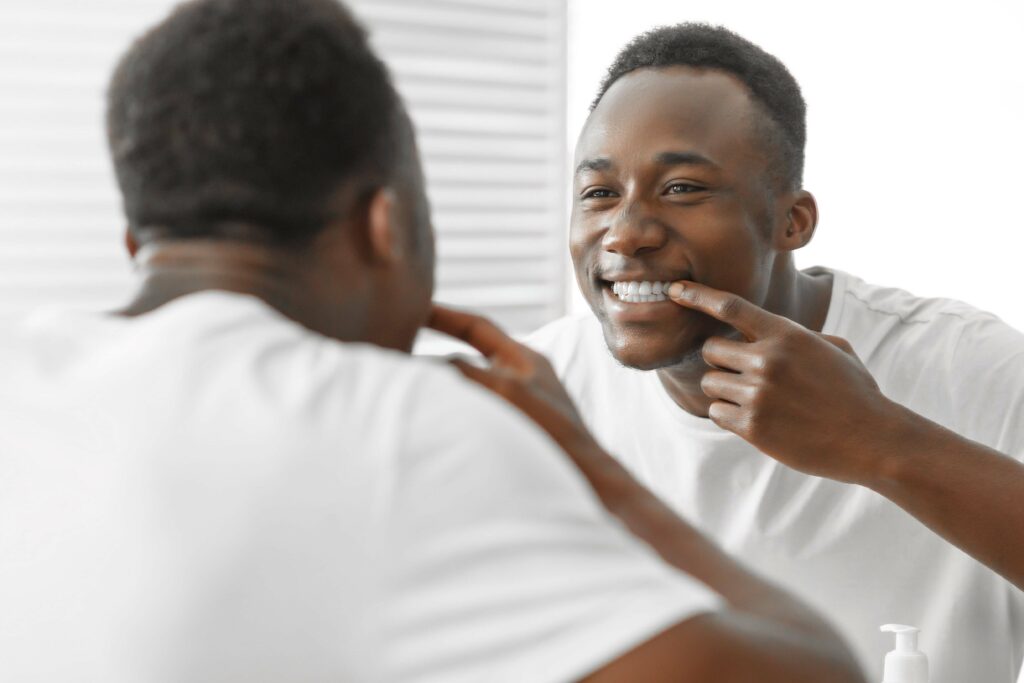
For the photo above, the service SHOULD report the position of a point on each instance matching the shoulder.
(954, 363)
(457, 430)
(874, 317)
(853, 295)
(491, 530)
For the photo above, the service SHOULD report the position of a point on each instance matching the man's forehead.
(651, 107)
(664, 158)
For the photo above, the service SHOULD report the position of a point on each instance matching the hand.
(518, 374)
(525, 379)
(802, 397)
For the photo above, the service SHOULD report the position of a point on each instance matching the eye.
(683, 188)
(597, 193)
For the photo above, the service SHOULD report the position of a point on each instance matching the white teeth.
(640, 292)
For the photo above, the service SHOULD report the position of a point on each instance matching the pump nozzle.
(906, 636)
(905, 664)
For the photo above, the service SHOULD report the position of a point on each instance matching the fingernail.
(675, 289)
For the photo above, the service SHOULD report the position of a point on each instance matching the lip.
(623, 312)
(625, 276)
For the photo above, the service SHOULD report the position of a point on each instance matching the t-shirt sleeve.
(988, 384)
(503, 566)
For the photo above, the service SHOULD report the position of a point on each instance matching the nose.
(632, 232)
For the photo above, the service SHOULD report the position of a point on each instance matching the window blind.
(484, 81)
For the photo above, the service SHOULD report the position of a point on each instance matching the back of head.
(249, 112)
(703, 46)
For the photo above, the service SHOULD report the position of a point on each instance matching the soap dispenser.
(905, 664)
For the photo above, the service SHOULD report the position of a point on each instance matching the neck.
(287, 280)
(801, 297)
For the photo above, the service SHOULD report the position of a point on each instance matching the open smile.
(638, 301)
(640, 291)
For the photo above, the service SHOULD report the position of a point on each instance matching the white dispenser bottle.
(905, 664)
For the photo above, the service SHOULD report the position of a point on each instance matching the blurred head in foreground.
(265, 135)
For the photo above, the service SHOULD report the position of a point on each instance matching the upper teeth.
(640, 292)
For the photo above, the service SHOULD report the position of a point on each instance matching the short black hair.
(249, 112)
(704, 46)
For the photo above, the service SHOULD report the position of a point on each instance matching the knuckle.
(775, 365)
(770, 370)
(758, 404)
(727, 307)
(707, 351)
(707, 382)
(759, 363)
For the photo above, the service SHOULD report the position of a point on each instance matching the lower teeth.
(641, 299)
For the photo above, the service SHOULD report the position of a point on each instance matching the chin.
(640, 354)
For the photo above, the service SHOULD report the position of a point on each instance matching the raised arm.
(765, 635)
(806, 400)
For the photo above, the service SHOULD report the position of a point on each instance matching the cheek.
(581, 243)
(731, 260)
(579, 236)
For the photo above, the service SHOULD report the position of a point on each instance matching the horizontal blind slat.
(475, 19)
(483, 80)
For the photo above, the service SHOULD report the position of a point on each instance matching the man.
(689, 169)
(243, 476)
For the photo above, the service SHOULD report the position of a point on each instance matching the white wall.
(915, 128)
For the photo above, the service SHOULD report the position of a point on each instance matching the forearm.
(966, 492)
(685, 548)
(765, 635)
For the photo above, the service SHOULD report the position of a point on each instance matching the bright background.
(484, 81)
(915, 128)
(915, 151)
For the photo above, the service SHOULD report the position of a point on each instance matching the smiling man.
(696, 194)
(690, 168)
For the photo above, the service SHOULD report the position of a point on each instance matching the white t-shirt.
(851, 553)
(210, 492)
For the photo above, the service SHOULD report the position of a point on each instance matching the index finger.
(752, 321)
(475, 330)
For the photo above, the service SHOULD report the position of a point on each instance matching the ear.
(383, 232)
(798, 223)
(129, 242)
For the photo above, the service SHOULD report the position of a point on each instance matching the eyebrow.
(662, 159)
(598, 164)
(684, 159)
